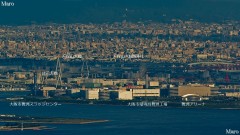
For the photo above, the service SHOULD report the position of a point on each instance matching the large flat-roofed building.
(107, 82)
(154, 83)
(45, 90)
(146, 92)
(233, 94)
(125, 95)
(200, 90)
(134, 93)
(92, 94)
(141, 82)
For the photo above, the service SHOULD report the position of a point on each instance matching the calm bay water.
(131, 120)
(124, 120)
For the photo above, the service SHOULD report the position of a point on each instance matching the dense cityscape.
(178, 41)
(123, 60)
(122, 67)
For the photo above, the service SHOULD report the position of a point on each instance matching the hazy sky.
(70, 11)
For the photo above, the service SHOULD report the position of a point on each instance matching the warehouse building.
(200, 90)
(125, 95)
(92, 94)
(135, 93)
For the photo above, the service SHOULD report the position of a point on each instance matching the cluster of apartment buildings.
(181, 41)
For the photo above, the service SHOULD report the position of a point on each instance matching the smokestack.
(35, 84)
(147, 80)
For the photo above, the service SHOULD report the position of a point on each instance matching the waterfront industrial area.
(123, 61)
(122, 67)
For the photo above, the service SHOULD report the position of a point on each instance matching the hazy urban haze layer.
(99, 11)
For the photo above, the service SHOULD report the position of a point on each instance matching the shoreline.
(40, 123)
(58, 122)
(5, 128)
(123, 103)
(15, 90)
